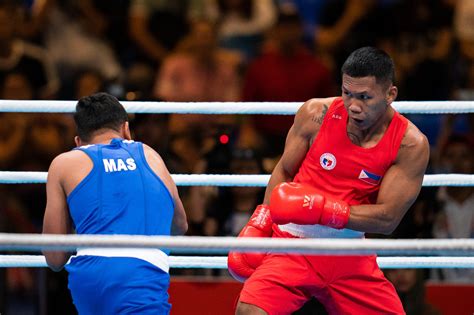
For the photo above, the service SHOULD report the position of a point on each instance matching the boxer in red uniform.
(351, 165)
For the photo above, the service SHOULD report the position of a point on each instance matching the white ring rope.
(231, 179)
(219, 262)
(279, 108)
(458, 247)
(222, 245)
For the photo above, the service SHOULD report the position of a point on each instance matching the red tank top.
(344, 170)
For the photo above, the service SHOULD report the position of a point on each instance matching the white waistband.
(318, 231)
(155, 257)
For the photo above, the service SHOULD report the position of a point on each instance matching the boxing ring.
(414, 253)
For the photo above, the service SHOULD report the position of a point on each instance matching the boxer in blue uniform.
(111, 184)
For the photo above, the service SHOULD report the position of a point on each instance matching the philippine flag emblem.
(327, 161)
(370, 178)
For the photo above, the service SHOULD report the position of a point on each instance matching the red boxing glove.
(242, 265)
(238, 267)
(302, 204)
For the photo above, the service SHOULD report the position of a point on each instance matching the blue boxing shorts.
(117, 285)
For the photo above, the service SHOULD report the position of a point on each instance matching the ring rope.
(280, 108)
(417, 247)
(222, 245)
(7, 177)
(219, 262)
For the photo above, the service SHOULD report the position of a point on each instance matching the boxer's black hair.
(98, 111)
(370, 61)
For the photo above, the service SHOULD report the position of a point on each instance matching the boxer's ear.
(78, 141)
(392, 93)
(125, 130)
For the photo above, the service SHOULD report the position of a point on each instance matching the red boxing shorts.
(343, 284)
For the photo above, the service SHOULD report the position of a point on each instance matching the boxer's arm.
(303, 204)
(56, 216)
(242, 265)
(179, 224)
(399, 188)
(306, 126)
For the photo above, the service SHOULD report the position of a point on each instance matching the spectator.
(456, 218)
(199, 71)
(422, 46)
(47, 134)
(463, 23)
(152, 129)
(139, 82)
(13, 129)
(19, 283)
(230, 207)
(242, 23)
(20, 57)
(463, 62)
(345, 25)
(310, 12)
(286, 72)
(157, 26)
(72, 36)
(418, 222)
(12, 137)
(111, 22)
(410, 286)
(88, 83)
(17, 86)
(424, 42)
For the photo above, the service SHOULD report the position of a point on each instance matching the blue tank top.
(121, 194)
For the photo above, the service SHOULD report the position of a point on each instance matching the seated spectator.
(199, 71)
(410, 286)
(456, 217)
(152, 130)
(310, 12)
(238, 202)
(421, 46)
(20, 283)
(219, 211)
(13, 129)
(138, 83)
(285, 72)
(88, 83)
(242, 24)
(149, 27)
(463, 66)
(12, 137)
(418, 221)
(72, 37)
(111, 22)
(343, 26)
(29, 61)
(16, 86)
(464, 26)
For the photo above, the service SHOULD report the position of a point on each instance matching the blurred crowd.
(224, 50)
